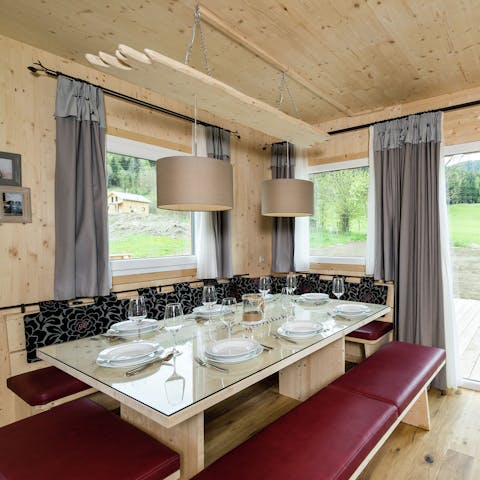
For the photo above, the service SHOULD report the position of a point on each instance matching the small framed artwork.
(10, 169)
(15, 205)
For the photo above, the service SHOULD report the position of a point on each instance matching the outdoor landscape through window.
(338, 227)
(137, 228)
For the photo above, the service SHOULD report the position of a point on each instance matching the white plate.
(231, 348)
(128, 354)
(269, 297)
(300, 329)
(351, 308)
(239, 359)
(130, 328)
(204, 311)
(314, 297)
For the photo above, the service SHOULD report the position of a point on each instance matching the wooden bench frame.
(416, 413)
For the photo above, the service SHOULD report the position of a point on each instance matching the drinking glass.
(174, 322)
(175, 386)
(229, 306)
(264, 285)
(338, 287)
(286, 301)
(209, 298)
(291, 283)
(137, 312)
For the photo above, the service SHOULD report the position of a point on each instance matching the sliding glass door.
(462, 169)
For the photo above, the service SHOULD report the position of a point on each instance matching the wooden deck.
(467, 313)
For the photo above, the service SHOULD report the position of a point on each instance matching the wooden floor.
(467, 314)
(449, 451)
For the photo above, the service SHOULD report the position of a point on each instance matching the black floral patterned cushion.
(57, 322)
(243, 285)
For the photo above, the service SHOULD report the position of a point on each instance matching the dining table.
(168, 400)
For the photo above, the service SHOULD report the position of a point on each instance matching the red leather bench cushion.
(372, 331)
(43, 386)
(394, 374)
(325, 437)
(81, 440)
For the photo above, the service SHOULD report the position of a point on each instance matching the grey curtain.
(283, 231)
(81, 250)
(218, 146)
(407, 238)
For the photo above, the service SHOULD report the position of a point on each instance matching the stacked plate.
(206, 312)
(131, 329)
(314, 298)
(351, 310)
(300, 329)
(129, 354)
(233, 350)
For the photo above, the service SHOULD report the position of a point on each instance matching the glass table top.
(173, 387)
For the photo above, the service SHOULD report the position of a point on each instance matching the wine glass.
(338, 287)
(175, 386)
(209, 298)
(229, 305)
(137, 312)
(264, 285)
(291, 283)
(286, 301)
(174, 322)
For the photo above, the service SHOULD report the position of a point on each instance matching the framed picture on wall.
(15, 205)
(10, 169)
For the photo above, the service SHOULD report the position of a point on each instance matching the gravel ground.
(465, 261)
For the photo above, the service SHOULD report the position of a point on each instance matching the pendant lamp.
(193, 183)
(287, 197)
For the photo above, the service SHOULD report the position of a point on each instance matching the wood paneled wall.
(27, 127)
(459, 126)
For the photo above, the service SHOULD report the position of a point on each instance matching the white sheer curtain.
(370, 249)
(204, 234)
(451, 339)
(302, 231)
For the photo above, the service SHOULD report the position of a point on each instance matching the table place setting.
(300, 329)
(313, 299)
(351, 310)
(233, 350)
(129, 354)
(129, 328)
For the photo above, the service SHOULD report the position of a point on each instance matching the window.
(338, 228)
(143, 238)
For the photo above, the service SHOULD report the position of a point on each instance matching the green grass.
(464, 221)
(144, 245)
(327, 239)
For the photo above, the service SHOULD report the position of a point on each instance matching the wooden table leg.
(186, 438)
(309, 375)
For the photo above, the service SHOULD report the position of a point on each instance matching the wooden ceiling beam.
(233, 34)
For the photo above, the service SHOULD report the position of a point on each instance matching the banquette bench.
(39, 389)
(335, 433)
(81, 440)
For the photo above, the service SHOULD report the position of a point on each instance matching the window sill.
(338, 260)
(138, 266)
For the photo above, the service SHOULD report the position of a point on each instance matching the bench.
(47, 387)
(81, 440)
(369, 338)
(336, 432)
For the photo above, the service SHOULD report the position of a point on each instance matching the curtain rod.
(444, 109)
(39, 67)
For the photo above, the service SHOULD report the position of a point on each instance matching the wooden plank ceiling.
(346, 58)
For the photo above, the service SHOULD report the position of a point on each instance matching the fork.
(278, 337)
(203, 363)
